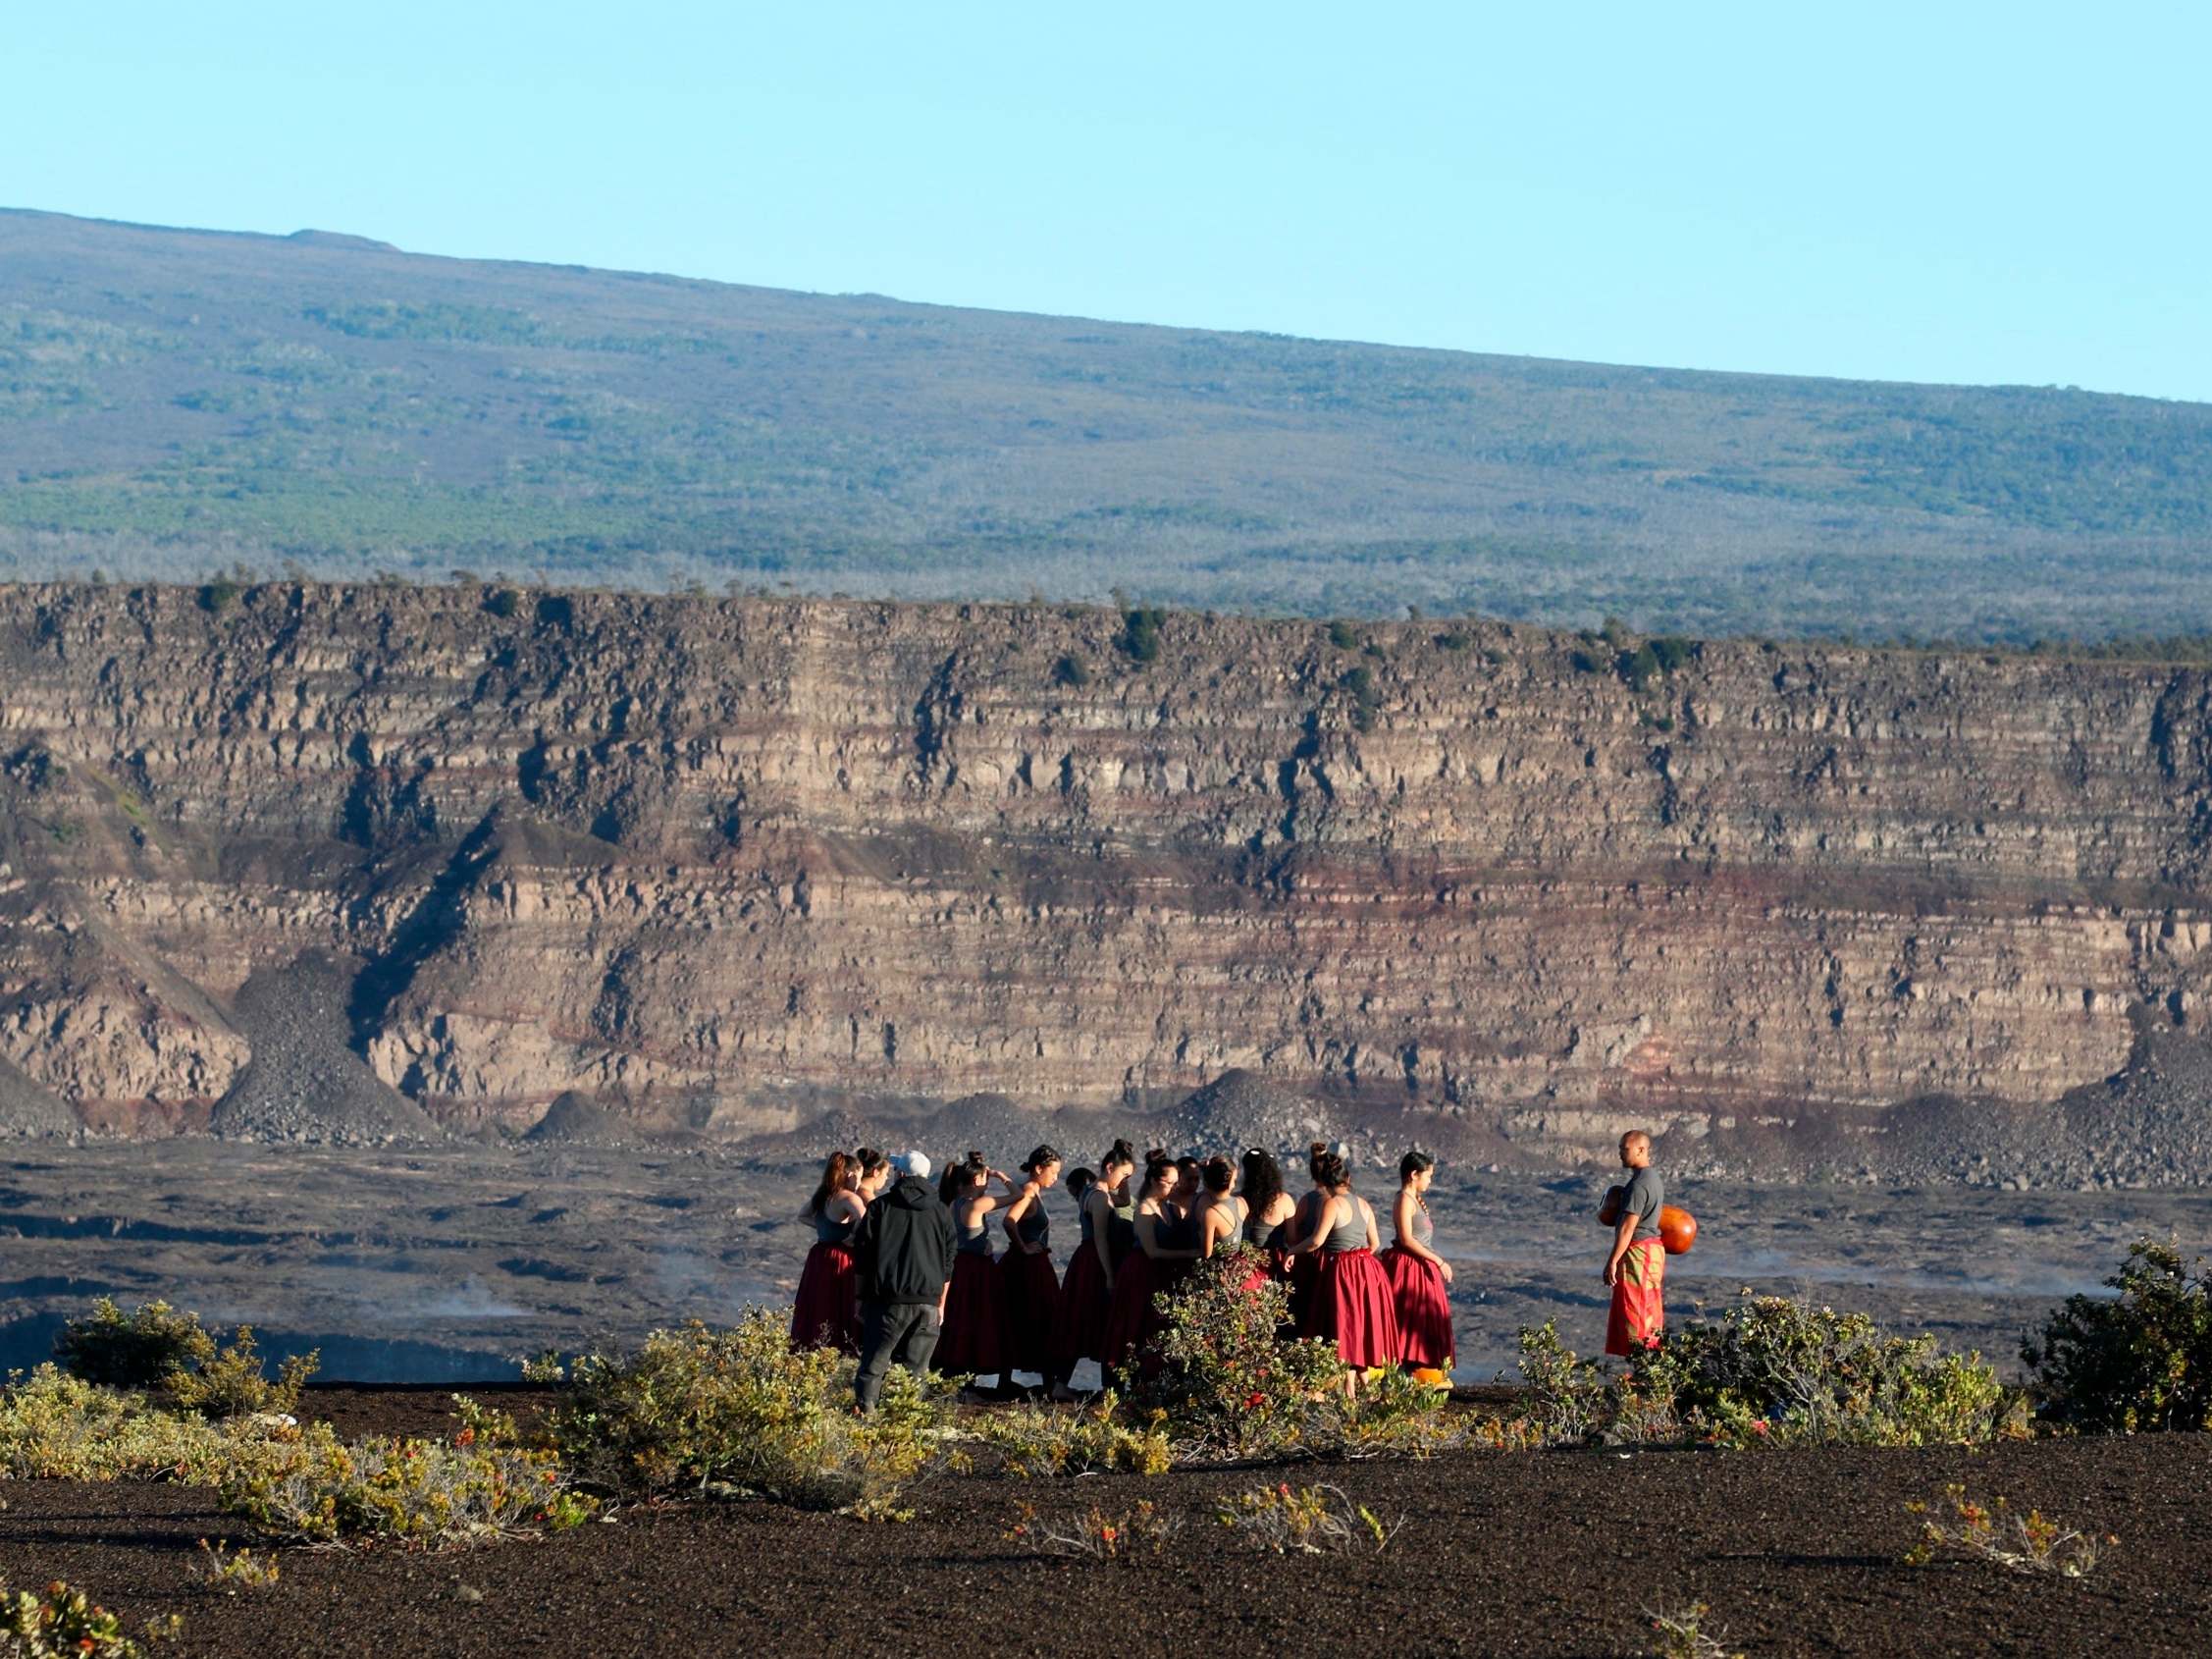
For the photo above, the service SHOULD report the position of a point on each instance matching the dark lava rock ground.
(1551, 1553)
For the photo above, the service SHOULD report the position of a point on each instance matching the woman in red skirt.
(1166, 1246)
(1086, 1297)
(1031, 1290)
(827, 1311)
(1303, 1267)
(1350, 1304)
(1267, 1206)
(973, 1339)
(1419, 1277)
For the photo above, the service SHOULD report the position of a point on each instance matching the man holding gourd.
(1646, 1229)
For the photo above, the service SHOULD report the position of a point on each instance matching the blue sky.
(1939, 192)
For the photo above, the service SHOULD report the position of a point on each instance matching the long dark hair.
(1326, 1168)
(1263, 1179)
(958, 1177)
(841, 1175)
(1412, 1163)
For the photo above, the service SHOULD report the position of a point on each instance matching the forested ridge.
(177, 403)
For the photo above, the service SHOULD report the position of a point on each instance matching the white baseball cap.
(916, 1164)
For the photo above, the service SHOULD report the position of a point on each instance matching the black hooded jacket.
(905, 1246)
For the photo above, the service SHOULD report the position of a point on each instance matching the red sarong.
(1639, 1311)
(973, 1337)
(1353, 1306)
(1424, 1310)
(1031, 1291)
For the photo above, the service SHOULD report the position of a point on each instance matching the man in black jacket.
(905, 1252)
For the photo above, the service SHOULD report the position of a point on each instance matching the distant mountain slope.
(175, 400)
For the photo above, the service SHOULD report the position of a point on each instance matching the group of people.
(905, 1272)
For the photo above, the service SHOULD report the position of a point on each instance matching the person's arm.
(1623, 1232)
(1101, 1219)
(1014, 1213)
(945, 1255)
(1402, 1219)
(1324, 1223)
(1374, 1237)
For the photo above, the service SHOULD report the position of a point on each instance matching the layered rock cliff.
(717, 861)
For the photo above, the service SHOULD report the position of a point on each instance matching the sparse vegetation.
(1042, 1440)
(1286, 1520)
(2001, 1535)
(1771, 1371)
(1070, 672)
(1682, 1635)
(54, 1426)
(2135, 1363)
(232, 1570)
(742, 1412)
(424, 1494)
(176, 1362)
(1140, 633)
(62, 1621)
(1135, 1534)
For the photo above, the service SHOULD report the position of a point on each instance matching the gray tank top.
(1423, 1228)
(1350, 1233)
(978, 1243)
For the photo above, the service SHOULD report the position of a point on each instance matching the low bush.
(1399, 1414)
(1291, 1519)
(1773, 1371)
(176, 1360)
(2137, 1362)
(418, 1494)
(61, 1620)
(54, 1426)
(1094, 1438)
(1071, 672)
(1681, 1635)
(1140, 633)
(228, 1571)
(1129, 1536)
(1225, 1380)
(743, 1412)
(1997, 1533)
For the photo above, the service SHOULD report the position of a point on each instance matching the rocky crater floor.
(456, 1261)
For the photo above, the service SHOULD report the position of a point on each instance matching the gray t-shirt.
(1646, 1193)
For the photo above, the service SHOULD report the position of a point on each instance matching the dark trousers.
(900, 1332)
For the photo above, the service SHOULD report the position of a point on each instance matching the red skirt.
(1087, 1309)
(1136, 1318)
(1424, 1310)
(826, 1313)
(1031, 1295)
(1638, 1315)
(974, 1338)
(1351, 1305)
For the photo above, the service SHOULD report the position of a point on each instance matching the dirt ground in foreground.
(1532, 1553)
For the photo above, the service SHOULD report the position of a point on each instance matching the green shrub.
(1454, 639)
(1228, 1383)
(502, 602)
(1773, 1371)
(1672, 651)
(133, 1351)
(1038, 1440)
(1140, 633)
(741, 1408)
(54, 1426)
(215, 597)
(420, 1493)
(1397, 1414)
(1344, 636)
(2137, 1362)
(1782, 1371)
(1639, 667)
(1358, 685)
(1071, 672)
(63, 1620)
(174, 1360)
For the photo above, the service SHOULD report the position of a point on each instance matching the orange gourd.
(1677, 1227)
